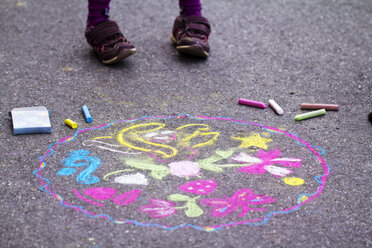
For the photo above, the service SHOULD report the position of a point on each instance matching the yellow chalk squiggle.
(197, 133)
(133, 134)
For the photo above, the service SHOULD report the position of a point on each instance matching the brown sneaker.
(190, 34)
(108, 42)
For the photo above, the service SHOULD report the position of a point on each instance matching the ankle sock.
(98, 11)
(190, 7)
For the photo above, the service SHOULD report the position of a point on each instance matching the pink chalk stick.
(252, 103)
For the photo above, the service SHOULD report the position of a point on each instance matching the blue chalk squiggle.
(85, 177)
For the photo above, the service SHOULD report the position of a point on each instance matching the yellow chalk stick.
(71, 123)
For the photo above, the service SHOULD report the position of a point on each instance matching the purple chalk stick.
(252, 103)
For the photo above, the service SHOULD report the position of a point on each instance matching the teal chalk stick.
(88, 117)
(310, 114)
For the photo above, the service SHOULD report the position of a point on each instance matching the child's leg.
(190, 7)
(98, 11)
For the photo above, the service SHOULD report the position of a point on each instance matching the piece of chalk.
(71, 123)
(276, 107)
(252, 103)
(88, 117)
(319, 106)
(31, 120)
(310, 114)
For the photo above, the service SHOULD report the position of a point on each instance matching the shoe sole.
(196, 50)
(124, 54)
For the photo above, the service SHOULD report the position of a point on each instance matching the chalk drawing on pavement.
(171, 172)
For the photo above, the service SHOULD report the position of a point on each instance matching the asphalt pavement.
(171, 159)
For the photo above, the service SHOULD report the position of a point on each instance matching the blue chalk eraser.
(87, 115)
(31, 120)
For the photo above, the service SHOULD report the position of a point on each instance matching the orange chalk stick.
(319, 106)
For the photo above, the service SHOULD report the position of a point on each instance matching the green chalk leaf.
(178, 197)
(225, 154)
(160, 173)
(193, 210)
(209, 163)
(157, 171)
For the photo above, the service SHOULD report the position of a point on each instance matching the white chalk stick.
(276, 107)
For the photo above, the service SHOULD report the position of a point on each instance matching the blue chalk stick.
(87, 115)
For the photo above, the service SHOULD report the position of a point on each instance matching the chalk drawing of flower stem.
(209, 163)
(159, 208)
(162, 208)
(157, 171)
(192, 208)
(184, 168)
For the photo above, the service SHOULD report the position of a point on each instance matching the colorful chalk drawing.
(183, 171)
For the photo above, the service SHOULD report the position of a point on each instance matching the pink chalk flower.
(184, 168)
(100, 193)
(103, 194)
(265, 163)
(127, 197)
(159, 208)
(243, 198)
(201, 187)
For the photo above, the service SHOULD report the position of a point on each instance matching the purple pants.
(98, 10)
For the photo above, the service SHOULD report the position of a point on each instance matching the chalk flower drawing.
(100, 193)
(191, 208)
(127, 197)
(265, 163)
(184, 168)
(103, 194)
(201, 187)
(242, 198)
(159, 208)
(177, 167)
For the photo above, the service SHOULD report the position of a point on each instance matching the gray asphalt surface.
(290, 51)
